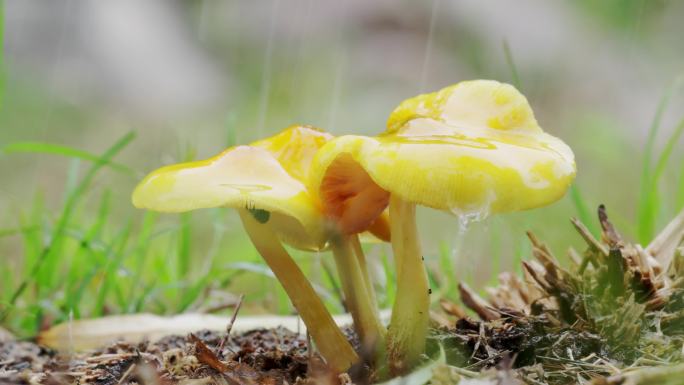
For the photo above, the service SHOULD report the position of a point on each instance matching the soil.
(275, 356)
(263, 356)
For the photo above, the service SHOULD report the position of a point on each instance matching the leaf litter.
(261, 356)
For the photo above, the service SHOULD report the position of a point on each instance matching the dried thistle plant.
(617, 307)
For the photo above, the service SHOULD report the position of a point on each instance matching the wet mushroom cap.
(267, 177)
(473, 148)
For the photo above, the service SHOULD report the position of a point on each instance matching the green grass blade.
(115, 254)
(231, 129)
(667, 152)
(446, 265)
(78, 291)
(648, 201)
(2, 52)
(17, 230)
(84, 262)
(338, 300)
(55, 149)
(390, 280)
(184, 246)
(140, 255)
(138, 305)
(47, 273)
(583, 212)
(680, 190)
(653, 131)
(192, 293)
(496, 251)
(515, 78)
(659, 170)
(264, 270)
(33, 241)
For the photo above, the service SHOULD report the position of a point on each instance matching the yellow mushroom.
(472, 149)
(349, 218)
(265, 182)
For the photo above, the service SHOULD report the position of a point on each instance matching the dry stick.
(363, 263)
(480, 337)
(309, 346)
(235, 313)
(378, 355)
(230, 323)
(336, 287)
(126, 373)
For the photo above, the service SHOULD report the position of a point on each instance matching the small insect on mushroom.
(471, 149)
(265, 182)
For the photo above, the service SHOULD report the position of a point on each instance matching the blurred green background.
(190, 78)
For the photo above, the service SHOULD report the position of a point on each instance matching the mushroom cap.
(473, 148)
(268, 175)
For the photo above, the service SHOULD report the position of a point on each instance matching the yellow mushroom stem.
(330, 341)
(410, 314)
(359, 294)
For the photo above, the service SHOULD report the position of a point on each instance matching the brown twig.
(224, 340)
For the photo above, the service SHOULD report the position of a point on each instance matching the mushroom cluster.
(471, 149)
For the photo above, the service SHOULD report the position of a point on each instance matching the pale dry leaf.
(87, 334)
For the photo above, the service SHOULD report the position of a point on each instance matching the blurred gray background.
(192, 77)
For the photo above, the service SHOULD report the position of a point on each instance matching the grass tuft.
(53, 249)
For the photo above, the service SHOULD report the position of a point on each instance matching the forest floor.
(614, 316)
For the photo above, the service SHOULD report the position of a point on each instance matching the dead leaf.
(234, 372)
(206, 356)
(477, 303)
